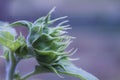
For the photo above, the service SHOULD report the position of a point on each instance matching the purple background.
(95, 23)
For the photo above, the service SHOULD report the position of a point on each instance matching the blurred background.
(95, 23)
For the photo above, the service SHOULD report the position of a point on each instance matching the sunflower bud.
(47, 45)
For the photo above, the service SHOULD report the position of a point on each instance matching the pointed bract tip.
(52, 10)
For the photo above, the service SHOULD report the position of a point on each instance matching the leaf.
(70, 69)
(7, 38)
(46, 56)
(21, 52)
(22, 23)
(17, 76)
(7, 35)
(63, 22)
(39, 21)
(7, 31)
(10, 43)
(41, 69)
(45, 19)
(54, 20)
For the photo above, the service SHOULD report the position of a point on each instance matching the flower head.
(47, 44)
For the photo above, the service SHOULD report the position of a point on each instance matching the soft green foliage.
(7, 38)
(46, 44)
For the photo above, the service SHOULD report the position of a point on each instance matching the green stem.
(11, 66)
(38, 70)
(28, 75)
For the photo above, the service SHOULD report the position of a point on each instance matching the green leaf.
(17, 76)
(22, 52)
(45, 19)
(70, 69)
(7, 31)
(22, 23)
(7, 38)
(54, 20)
(46, 56)
(48, 17)
(39, 20)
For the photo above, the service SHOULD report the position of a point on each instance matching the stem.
(38, 70)
(28, 75)
(11, 66)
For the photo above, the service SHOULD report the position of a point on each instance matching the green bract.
(47, 44)
(7, 37)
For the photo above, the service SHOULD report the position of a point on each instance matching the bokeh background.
(95, 23)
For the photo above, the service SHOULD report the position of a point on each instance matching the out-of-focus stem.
(28, 75)
(11, 66)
